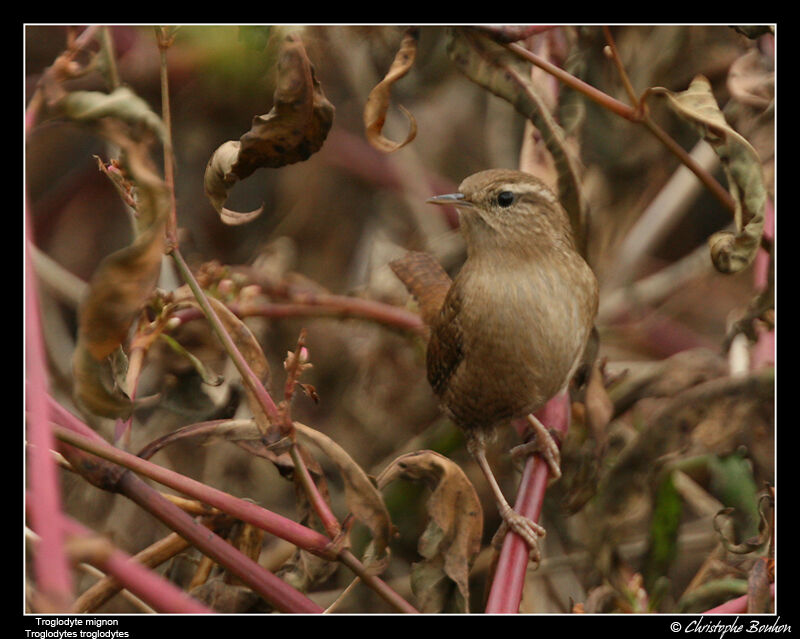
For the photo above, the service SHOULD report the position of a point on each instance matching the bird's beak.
(454, 199)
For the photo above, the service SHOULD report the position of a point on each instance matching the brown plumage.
(513, 325)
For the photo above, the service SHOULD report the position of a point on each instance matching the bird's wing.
(445, 347)
(425, 279)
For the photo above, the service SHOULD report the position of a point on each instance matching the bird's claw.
(542, 443)
(527, 529)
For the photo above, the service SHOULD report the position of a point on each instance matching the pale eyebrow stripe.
(530, 189)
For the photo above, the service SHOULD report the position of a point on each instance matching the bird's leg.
(529, 530)
(542, 443)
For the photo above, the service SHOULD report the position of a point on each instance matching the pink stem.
(51, 565)
(735, 606)
(509, 579)
(149, 586)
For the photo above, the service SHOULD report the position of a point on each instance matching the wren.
(514, 323)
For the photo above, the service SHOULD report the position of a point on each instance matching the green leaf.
(733, 483)
(666, 519)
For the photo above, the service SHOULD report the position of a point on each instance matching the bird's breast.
(522, 331)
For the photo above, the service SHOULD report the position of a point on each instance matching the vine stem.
(50, 564)
(250, 512)
(505, 594)
(635, 114)
(248, 376)
(321, 507)
(164, 43)
(259, 392)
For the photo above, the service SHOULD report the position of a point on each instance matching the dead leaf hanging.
(378, 101)
(362, 498)
(730, 252)
(249, 347)
(293, 130)
(120, 287)
(452, 539)
(122, 104)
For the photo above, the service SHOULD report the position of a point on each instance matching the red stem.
(51, 566)
(735, 606)
(149, 586)
(74, 432)
(509, 578)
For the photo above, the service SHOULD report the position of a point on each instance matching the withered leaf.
(250, 349)
(363, 499)
(120, 287)
(122, 104)
(452, 539)
(293, 130)
(599, 407)
(378, 101)
(730, 252)
(304, 570)
(492, 66)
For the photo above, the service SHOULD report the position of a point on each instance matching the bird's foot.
(529, 530)
(542, 443)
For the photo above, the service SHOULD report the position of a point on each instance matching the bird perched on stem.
(509, 332)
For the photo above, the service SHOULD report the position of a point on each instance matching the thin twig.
(248, 376)
(247, 511)
(51, 567)
(107, 43)
(636, 115)
(164, 43)
(626, 82)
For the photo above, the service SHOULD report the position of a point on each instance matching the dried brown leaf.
(599, 407)
(452, 539)
(730, 252)
(363, 499)
(120, 286)
(251, 350)
(122, 104)
(227, 598)
(378, 101)
(293, 130)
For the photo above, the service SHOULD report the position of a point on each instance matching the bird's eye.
(505, 198)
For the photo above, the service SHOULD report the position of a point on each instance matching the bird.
(514, 324)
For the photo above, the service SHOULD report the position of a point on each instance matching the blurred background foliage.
(337, 219)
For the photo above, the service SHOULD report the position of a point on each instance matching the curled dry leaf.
(495, 68)
(730, 252)
(599, 407)
(122, 104)
(292, 131)
(378, 101)
(250, 349)
(363, 499)
(453, 536)
(120, 287)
